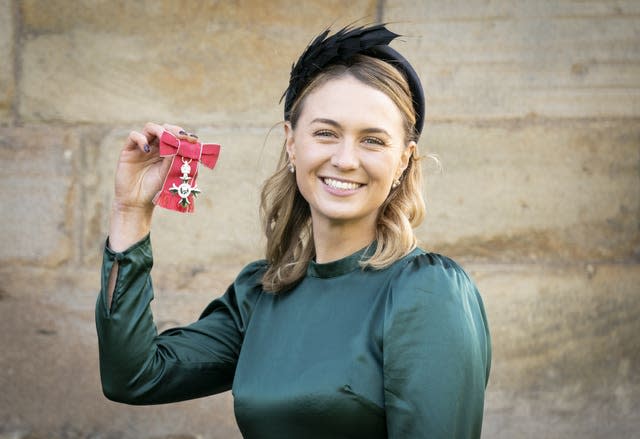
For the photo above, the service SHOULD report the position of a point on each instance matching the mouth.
(341, 185)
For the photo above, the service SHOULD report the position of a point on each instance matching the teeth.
(343, 185)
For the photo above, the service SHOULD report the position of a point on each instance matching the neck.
(336, 241)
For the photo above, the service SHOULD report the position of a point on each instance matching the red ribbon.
(183, 151)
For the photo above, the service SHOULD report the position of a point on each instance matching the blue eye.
(324, 133)
(374, 141)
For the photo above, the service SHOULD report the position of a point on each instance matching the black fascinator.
(339, 48)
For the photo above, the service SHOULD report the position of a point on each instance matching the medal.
(185, 189)
(179, 189)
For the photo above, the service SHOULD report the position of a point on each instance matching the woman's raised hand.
(139, 176)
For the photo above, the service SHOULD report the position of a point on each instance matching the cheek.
(383, 168)
(309, 158)
(305, 175)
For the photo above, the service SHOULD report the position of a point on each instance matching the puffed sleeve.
(138, 366)
(436, 352)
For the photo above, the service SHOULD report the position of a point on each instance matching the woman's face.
(348, 148)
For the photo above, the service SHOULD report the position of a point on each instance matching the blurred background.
(533, 108)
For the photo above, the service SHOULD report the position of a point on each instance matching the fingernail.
(184, 133)
(146, 148)
(193, 135)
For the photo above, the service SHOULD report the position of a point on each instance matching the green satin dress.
(401, 353)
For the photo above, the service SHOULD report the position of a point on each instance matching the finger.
(137, 140)
(176, 130)
(152, 131)
(192, 138)
(181, 134)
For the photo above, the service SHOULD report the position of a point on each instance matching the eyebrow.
(333, 123)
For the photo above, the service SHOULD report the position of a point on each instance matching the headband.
(339, 48)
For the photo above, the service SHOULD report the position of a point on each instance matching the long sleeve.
(138, 366)
(437, 352)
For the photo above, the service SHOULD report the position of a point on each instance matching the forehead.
(351, 102)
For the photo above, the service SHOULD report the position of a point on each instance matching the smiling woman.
(348, 149)
(373, 98)
(346, 328)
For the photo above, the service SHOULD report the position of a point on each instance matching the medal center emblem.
(184, 190)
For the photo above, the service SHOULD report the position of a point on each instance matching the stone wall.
(533, 110)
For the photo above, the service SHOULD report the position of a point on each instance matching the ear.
(289, 141)
(407, 153)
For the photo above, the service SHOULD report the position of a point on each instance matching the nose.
(345, 155)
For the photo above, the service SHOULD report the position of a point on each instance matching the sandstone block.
(508, 59)
(39, 195)
(565, 349)
(534, 190)
(123, 62)
(7, 45)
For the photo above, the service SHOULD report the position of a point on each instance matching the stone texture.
(505, 59)
(547, 320)
(566, 353)
(39, 195)
(7, 78)
(123, 61)
(554, 190)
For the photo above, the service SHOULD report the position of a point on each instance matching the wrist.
(119, 208)
(128, 225)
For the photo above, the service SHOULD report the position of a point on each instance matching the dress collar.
(341, 266)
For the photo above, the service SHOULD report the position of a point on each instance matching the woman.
(346, 329)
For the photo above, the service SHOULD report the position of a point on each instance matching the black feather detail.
(335, 49)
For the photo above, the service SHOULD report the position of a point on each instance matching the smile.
(340, 185)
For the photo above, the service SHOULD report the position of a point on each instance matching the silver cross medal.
(185, 189)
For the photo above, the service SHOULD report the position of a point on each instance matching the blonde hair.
(286, 215)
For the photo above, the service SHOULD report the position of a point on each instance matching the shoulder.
(432, 273)
(435, 288)
(251, 275)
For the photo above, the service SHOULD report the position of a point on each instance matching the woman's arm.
(138, 366)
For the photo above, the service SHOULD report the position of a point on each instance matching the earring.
(396, 183)
(291, 167)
